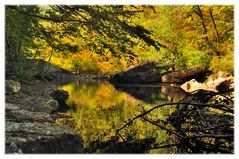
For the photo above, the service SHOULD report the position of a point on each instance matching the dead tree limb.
(215, 106)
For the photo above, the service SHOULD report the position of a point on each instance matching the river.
(97, 109)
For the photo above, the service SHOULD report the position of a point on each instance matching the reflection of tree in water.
(199, 123)
(202, 123)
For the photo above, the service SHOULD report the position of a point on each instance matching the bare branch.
(215, 106)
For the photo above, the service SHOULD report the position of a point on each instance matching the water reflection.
(153, 93)
(98, 109)
(174, 94)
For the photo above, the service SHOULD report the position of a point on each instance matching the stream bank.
(31, 114)
(30, 122)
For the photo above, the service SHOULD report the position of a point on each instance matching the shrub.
(20, 70)
(223, 64)
(197, 59)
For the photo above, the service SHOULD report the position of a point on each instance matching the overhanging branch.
(43, 17)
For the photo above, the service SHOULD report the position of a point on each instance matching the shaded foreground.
(203, 122)
(30, 125)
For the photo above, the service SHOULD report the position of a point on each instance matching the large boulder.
(14, 112)
(182, 76)
(30, 124)
(194, 85)
(36, 132)
(34, 103)
(34, 97)
(35, 137)
(60, 96)
(216, 85)
(143, 74)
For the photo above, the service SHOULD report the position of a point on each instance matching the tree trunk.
(199, 13)
(16, 55)
(214, 25)
(48, 63)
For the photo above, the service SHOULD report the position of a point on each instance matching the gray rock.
(34, 137)
(193, 85)
(14, 112)
(36, 132)
(33, 102)
(36, 104)
(30, 127)
(216, 85)
(12, 86)
(59, 95)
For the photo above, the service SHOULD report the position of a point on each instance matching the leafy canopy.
(107, 39)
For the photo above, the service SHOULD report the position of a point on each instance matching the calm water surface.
(98, 109)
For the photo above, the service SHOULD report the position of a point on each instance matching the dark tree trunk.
(214, 25)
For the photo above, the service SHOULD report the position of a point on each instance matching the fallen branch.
(215, 106)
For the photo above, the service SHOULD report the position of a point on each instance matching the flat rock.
(34, 103)
(34, 137)
(34, 97)
(36, 132)
(30, 124)
(15, 113)
(215, 85)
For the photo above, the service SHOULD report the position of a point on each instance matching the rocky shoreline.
(30, 122)
(31, 108)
